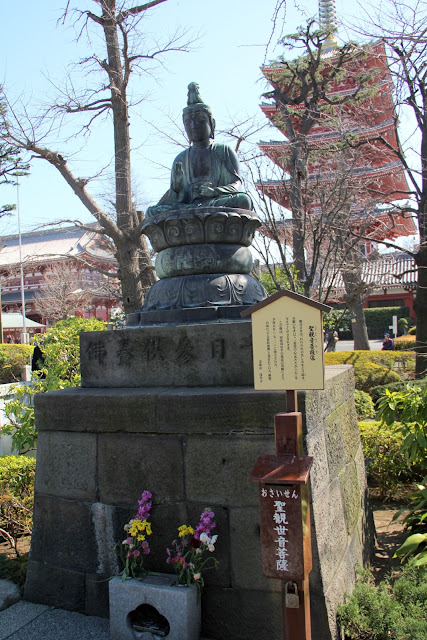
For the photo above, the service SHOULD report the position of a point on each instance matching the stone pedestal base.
(173, 410)
(154, 607)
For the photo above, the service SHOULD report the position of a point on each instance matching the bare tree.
(402, 26)
(128, 54)
(64, 293)
(331, 200)
(302, 95)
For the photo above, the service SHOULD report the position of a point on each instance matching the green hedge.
(16, 496)
(392, 610)
(13, 357)
(379, 319)
(365, 408)
(377, 392)
(390, 359)
(405, 343)
(387, 466)
(374, 368)
(371, 374)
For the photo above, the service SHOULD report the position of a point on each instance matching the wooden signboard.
(287, 339)
(284, 515)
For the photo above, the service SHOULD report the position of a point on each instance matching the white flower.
(209, 542)
(197, 576)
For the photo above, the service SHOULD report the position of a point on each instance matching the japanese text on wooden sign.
(287, 338)
(281, 531)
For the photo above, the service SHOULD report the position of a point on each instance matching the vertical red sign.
(281, 519)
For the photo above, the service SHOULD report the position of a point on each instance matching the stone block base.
(98, 449)
(153, 607)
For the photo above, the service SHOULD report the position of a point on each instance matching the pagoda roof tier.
(375, 111)
(377, 154)
(386, 183)
(317, 140)
(375, 226)
(372, 56)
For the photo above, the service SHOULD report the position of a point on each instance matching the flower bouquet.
(135, 546)
(188, 554)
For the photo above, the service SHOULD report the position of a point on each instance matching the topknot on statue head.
(195, 103)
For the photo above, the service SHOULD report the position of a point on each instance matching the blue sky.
(35, 53)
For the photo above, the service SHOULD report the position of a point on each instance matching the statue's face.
(197, 125)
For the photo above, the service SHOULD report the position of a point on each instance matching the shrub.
(61, 350)
(374, 368)
(410, 408)
(405, 343)
(377, 392)
(277, 278)
(379, 319)
(364, 406)
(403, 361)
(403, 325)
(412, 331)
(372, 374)
(16, 497)
(386, 464)
(14, 569)
(389, 610)
(13, 358)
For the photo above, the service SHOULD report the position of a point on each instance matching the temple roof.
(52, 244)
(390, 272)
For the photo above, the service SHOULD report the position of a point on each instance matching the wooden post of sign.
(289, 440)
(287, 341)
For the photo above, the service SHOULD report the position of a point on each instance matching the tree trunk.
(360, 333)
(297, 171)
(356, 292)
(421, 314)
(136, 273)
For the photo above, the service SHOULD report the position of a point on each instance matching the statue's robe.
(216, 165)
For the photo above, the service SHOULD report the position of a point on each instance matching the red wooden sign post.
(285, 521)
(287, 339)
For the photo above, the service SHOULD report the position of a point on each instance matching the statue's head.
(197, 116)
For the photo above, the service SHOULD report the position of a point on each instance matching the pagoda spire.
(328, 22)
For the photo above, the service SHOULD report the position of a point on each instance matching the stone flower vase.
(153, 607)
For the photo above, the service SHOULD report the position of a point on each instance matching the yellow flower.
(133, 531)
(140, 538)
(185, 530)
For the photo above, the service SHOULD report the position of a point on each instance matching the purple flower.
(144, 506)
(205, 525)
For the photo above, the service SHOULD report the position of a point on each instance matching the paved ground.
(27, 621)
(347, 345)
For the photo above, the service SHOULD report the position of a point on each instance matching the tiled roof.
(39, 246)
(386, 273)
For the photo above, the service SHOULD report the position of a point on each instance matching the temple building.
(58, 262)
(356, 140)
